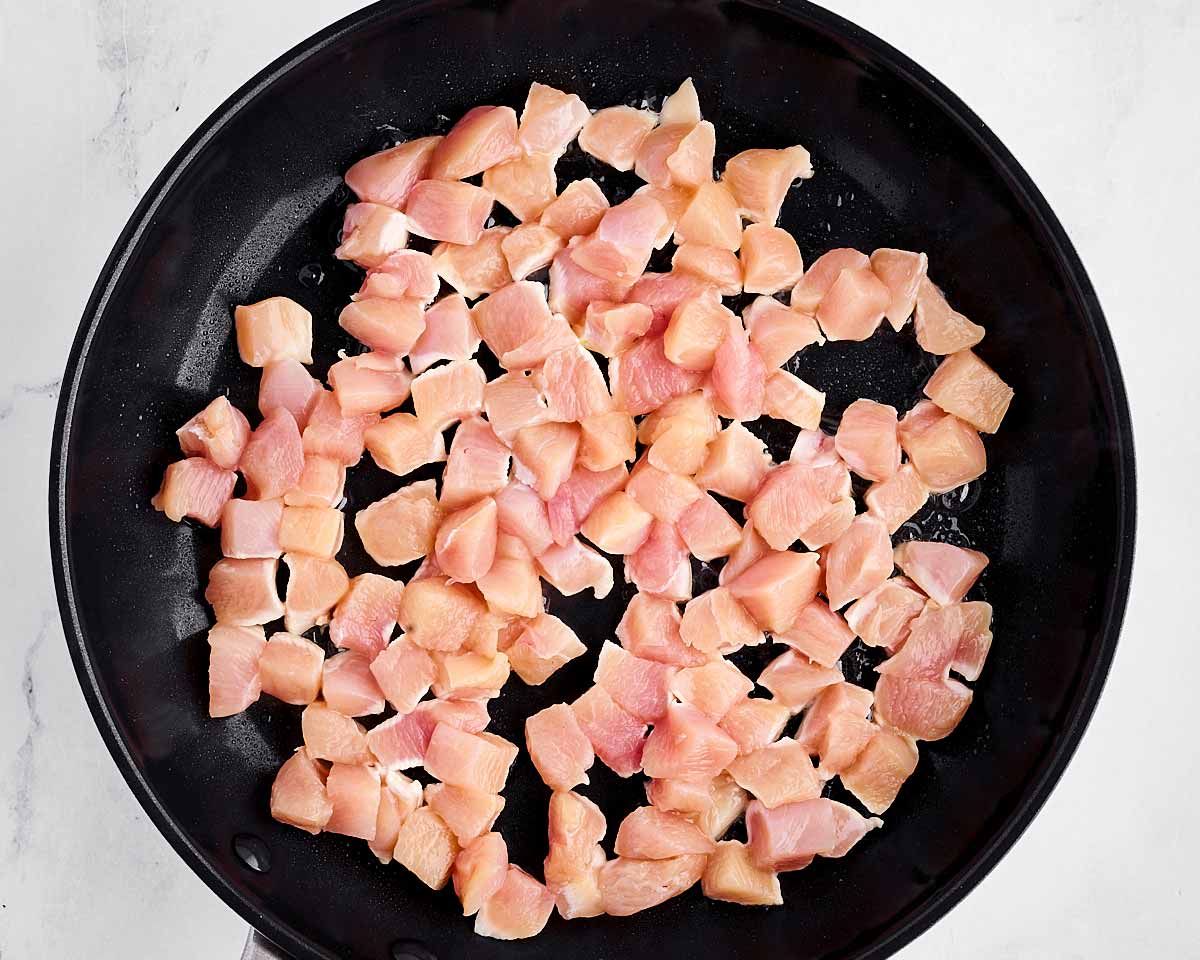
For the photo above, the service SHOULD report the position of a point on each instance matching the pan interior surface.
(251, 208)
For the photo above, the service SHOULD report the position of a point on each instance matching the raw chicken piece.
(711, 218)
(794, 680)
(578, 496)
(924, 709)
(406, 275)
(329, 433)
(354, 792)
(314, 587)
(518, 327)
(448, 211)
(558, 747)
(778, 331)
(551, 119)
(715, 623)
(388, 176)
(776, 587)
(448, 393)
(770, 260)
(575, 826)
(713, 688)
(867, 439)
(250, 529)
(242, 592)
(467, 812)
(330, 736)
(439, 615)
(544, 645)
(621, 245)
(576, 887)
(940, 329)
(400, 527)
(754, 723)
(322, 483)
(833, 523)
(888, 759)
(483, 138)
(196, 488)
(401, 443)
(736, 464)
(348, 685)
(945, 452)
(529, 248)
(233, 668)
(901, 272)
(662, 564)
(572, 288)
(664, 495)
(822, 274)
(516, 911)
(575, 567)
(650, 629)
(649, 833)
(630, 886)
(641, 687)
(371, 232)
(853, 306)
(479, 871)
(858, 561)
(404, 673)
(968, 388)
(682, 106)
(681, 444)
(680, 796)
(298, 796)
(606, 440)
(617, 738)
(690, 164)
(836, 727)
(751, 549)
(545, 455)
(778, 773)
(218, 432)
(687, 744)
(695, 331)
(398, 797)
(664, 292)
(465, 545)
(273, 458)
(882, 618)
(732, 876)
(945, 572)
(475, 268)
(477, 760)
(729, 803)
(470, 676)
(522, 513)
(577, 210)
(792, 500)
(511, 585)
(426, 846)
(760, 179)
(286, 384)
(573, 385)
(789, 836)
(920, 418)
(787, 397)
(819, 633)
(290, 668)
(615, 134)
(273, 329)
(708, 530)
(526, 185)
(312, 531)
(449, 334)
(695, 408)
(895, 500)
(656, 149)
(400, 742)
(387, 325)
(957, 636)
(513, 401)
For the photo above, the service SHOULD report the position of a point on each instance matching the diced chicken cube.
(875, 778)
(754, 723)
(715, 623)
(328, 735)
(615, 134)
(516, 911)
(544, 645)
(968, 388)
(945, 572)
(760, 179)
(426, 846)
(477, 760)
(448, 211)
(315, 585)
(649, 833)
(354, 792)
(371, 232)
(941, 330)
(287, 384)
(558, 747)
(779, 332)
(480, 870)
(901, 272)
(617, 737)
(388, 177)
(401, 527)
(630, 886)
(469, 813)
(234, 679)
(484, 137)
(250, 529)
(348, 685)
(794, 680)
(731, 875)
(688, 745)
(713, 688)
(290, 668)
(273, 329)
(243, 592)
(298, 795)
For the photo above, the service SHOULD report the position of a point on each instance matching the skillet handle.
(259, 947)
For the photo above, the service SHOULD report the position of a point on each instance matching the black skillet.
(250, 207)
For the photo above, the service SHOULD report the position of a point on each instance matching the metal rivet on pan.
(411, 950)
(252, 852)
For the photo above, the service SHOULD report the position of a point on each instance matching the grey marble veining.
(1089, 94)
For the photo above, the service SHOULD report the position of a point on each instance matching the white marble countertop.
(1090, 96)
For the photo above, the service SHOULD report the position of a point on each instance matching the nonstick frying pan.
(250, 207)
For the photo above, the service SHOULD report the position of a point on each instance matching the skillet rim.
(1044, 776)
